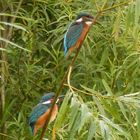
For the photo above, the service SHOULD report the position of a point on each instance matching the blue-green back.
(72, 35)
(38, 111)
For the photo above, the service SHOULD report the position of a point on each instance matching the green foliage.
(104, 103)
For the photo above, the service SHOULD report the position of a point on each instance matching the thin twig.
(113, 98)
(68, 79)
(97, 94)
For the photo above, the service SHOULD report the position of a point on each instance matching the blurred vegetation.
(103, 99)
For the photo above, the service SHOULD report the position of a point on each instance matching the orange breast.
(81, 38)
(41, 121)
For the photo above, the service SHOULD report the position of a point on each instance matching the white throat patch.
(88, 22)
(79, 20)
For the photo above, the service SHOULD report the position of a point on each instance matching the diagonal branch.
(62, 83)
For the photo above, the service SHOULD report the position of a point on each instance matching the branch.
(62, 83)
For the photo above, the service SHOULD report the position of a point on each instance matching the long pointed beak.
(91, 19)
(60, 98)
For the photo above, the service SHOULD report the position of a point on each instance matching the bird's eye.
(89, 16)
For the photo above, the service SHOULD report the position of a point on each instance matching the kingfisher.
(41, 111)
(77, 32)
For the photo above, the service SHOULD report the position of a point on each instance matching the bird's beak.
(57, 101)
(91, 19)
(60, 98)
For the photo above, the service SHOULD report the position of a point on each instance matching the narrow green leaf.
(123, 110)
(99, 105)
(75, 126)
(104, 57)
(75, 107)
(108, 89)
(13, 25)
(85, 116)
(116, 126)
(134, 101)
(90, 90)
(116, 29)
(62, 112)
(1, 27)
(138, 122)
(137, 12)
(92, 130)
(2, 49)
(20, 17)
(104, 130)
(13, 44)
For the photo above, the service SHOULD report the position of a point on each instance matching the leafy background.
(102, 100)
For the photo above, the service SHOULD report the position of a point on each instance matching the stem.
(2, 91)
(3, 84)
(4, 68)
(68, 79)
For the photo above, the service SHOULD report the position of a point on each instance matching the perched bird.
(77, 32)
(40, 112)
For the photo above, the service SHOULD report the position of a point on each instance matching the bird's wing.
(39, 110)
(72, 35)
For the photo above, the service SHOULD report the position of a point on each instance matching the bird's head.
(49, 97)
(85, 18)
(41, 108)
